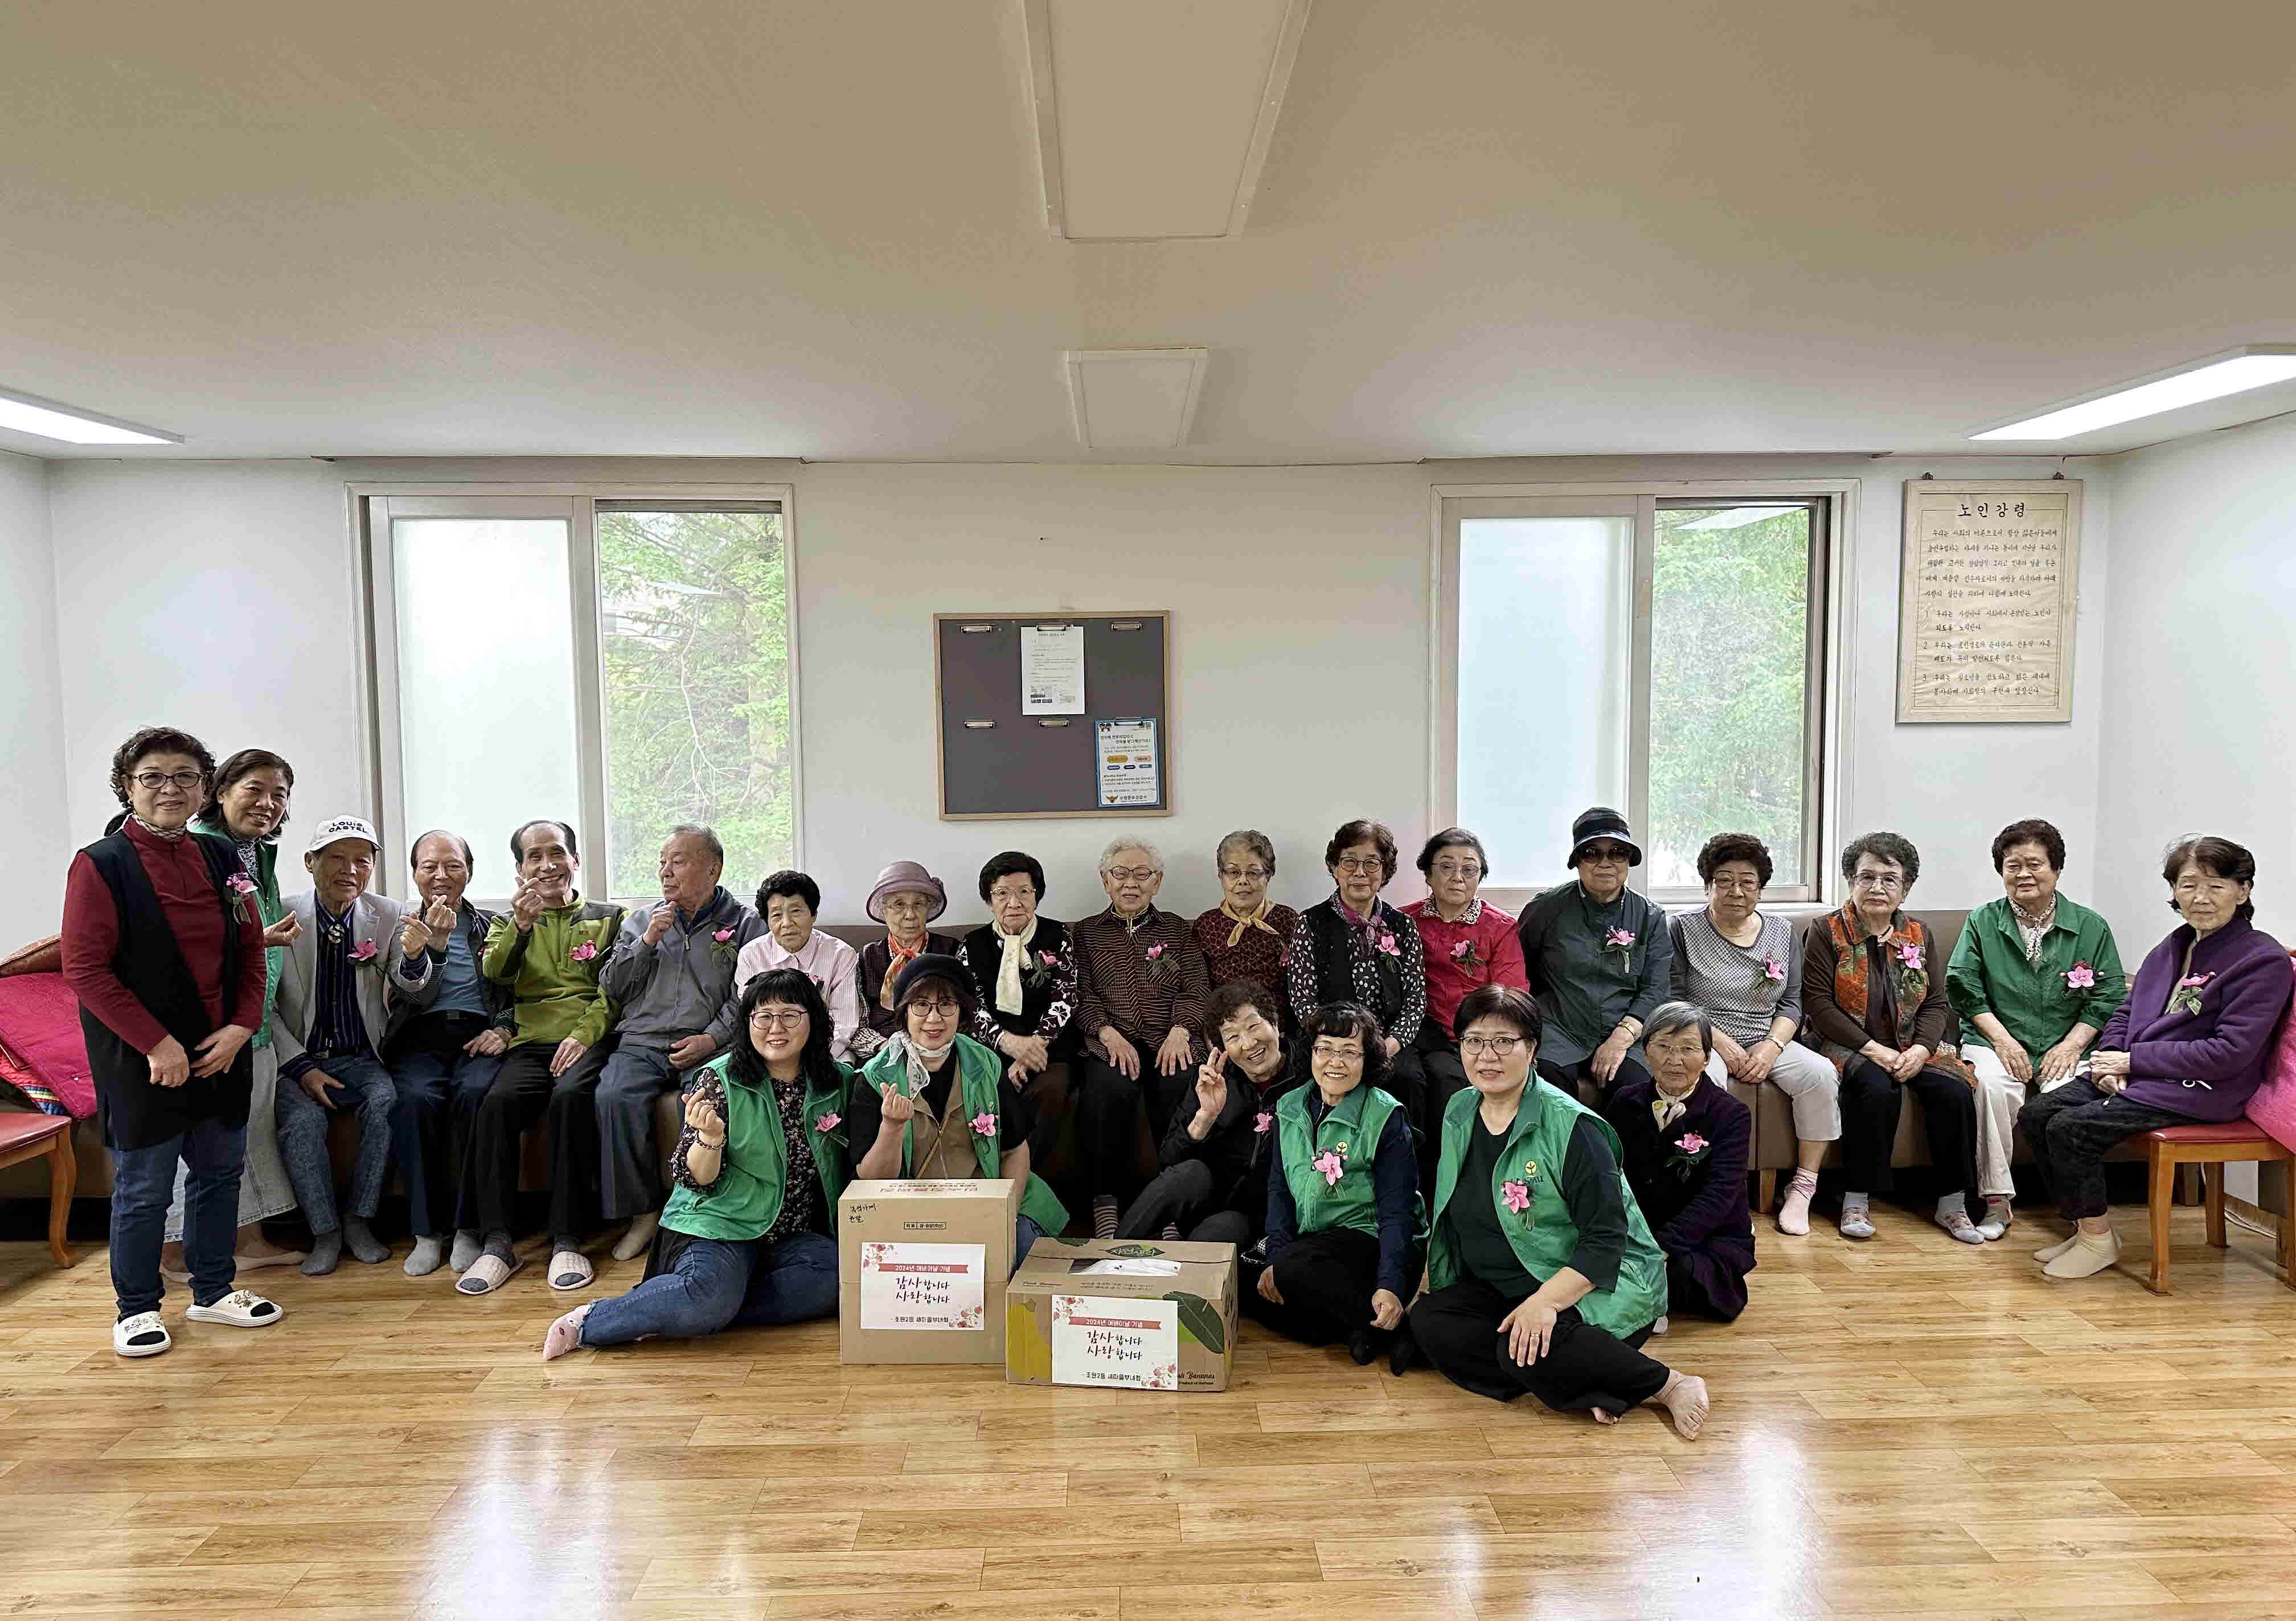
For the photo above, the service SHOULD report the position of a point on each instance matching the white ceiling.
(733, 227)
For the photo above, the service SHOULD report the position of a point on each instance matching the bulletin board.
(1990, 585)
(1052, 714)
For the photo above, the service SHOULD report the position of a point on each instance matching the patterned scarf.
(918, 1062)
(1903, 951)
(893, 967)
(1256, 920)
(1015, 957)
(172, 834)
(2034, 930)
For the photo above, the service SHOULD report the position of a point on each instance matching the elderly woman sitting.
(905, 898)
(1739, 966)
(1356, 947)
(745, 1239)
(1467, 944)
(935, 1103)
(1140, 1008)
(1246, 936)
(1541, 1273)
(1344, 1215)
(1024, 969)
(1874, 981)
(2190, 1044)
(1598, 957)
(1685, 1143)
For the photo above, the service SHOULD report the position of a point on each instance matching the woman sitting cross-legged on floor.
(746, 1237)
(1541, 1274)
(1684, 1143)
(1345, 1220)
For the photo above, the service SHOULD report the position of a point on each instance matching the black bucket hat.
(1602, 822)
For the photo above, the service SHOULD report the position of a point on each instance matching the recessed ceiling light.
(30, 414)
(2252, 367)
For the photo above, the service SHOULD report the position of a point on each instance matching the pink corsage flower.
(1517, 1196)
(1690, 1142)
(1910, 955)
(1261, 1122)
(723, 935)
(240, 884)
(1332, 1166)
(1155, 951)
(1773, 970)
(2080, 976)
(984, 1125)
(828, 1121)
(364, 951)
(2187, 997)
(1386, 943)
(584, 952)
(1619, 937)
(1622, 941)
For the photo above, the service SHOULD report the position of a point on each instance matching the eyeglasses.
(1134, 875)
(1888, 881)
(1243, 872)
(943, 1009)
(1329, 1049)
(1456, 870)
(783, 1018)
(151, 782)
(1361, 864)
(1475, 1046)
(2019, 869)
(1602, 853)
(1733, 886)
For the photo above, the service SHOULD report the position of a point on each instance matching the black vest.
(136, 1113)
(1335, 974)
(984, 954)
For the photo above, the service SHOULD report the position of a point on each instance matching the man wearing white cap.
(333, 1018)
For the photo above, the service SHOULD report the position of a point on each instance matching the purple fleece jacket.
(2203, 1064)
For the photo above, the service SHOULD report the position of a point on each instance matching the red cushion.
(39, 1025)
(19, 1127)
(2230, 1130)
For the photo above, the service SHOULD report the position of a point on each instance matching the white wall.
(1300, 644)
(2197, 693)
(38, 845)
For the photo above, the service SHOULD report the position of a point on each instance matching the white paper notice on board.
(923, 1286)
(1100, 1341)
(1125, 751)
(1052, 669)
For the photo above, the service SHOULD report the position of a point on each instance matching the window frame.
(372, 507)
(1825, 706)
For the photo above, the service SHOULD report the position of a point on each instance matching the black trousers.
(524, 1092)
(1584, 1367)
(1109, 1110)
(2071, 1130)
(1871, 1099)
(1578, 1079)
(1445, 1075)
(1184, 1194)
(1327, 1279)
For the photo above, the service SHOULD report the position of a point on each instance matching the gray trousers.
(629, 1166)
(366, 1091)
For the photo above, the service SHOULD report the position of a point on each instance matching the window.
(621, 664)
(1663, 654)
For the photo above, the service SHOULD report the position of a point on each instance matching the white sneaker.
(141, 1335)
(240, 1308)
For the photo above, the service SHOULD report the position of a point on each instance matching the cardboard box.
(1150, 1315)
(921, 1270)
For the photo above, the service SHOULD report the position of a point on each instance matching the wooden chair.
(2235, 1142)
(26, 1136)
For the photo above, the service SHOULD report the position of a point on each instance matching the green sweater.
(2037, 1003)
(556, 991)
(267, 902)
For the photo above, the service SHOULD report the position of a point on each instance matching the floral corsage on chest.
(1383, 941)
(1042, 966)
(2187, 997)
(1621, 942)
(1773, 970)
(1467, 959)
(1515, 1192)
(825, 1126)
(1330, 1165)
(1159, 962)
(723, 946)
(1690, 1152)
(363, 953)
(1906, 964)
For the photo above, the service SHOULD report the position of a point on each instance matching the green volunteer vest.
(745, 1201)
(978, 1072)
(1542, 1236)
(1352, 1130)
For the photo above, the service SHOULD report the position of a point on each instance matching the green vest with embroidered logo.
(979, 1072)
(1542, 1236)
(1351, 1130)
(745, 1201)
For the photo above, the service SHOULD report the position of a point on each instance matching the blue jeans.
(430, 1127)
(367, 1088)
(716, 1285)
(143, 1182)
(1025, 1233)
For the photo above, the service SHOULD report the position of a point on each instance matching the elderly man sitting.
(1140, 1005)
(672, 976)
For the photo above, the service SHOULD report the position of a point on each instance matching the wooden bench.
(25, 1136)
(2233, 1142)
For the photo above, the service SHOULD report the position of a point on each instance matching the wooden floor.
(1904, 1427)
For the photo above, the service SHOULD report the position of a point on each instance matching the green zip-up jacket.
(555, 981)
(2038, 1003)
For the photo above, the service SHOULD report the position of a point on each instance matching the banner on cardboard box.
(1100, 1339)
(923, 1285)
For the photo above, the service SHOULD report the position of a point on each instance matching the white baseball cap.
(336, 828)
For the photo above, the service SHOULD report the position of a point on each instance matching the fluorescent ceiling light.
(1134, 398)
(30, 414)
(2252, 367)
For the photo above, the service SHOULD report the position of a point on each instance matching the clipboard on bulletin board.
(1053, 715)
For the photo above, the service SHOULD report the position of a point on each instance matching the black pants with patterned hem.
(1584, 1367)
(2073, 1127)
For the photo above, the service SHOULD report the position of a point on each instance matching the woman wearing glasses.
(1874, 981)
(1467, 944)
(1542, 1276)
(1599, 961)
(745, 1239)
(164, 948)
(1247, 936)
(1356, 947)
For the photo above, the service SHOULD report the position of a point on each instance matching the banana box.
(1112, 1314)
